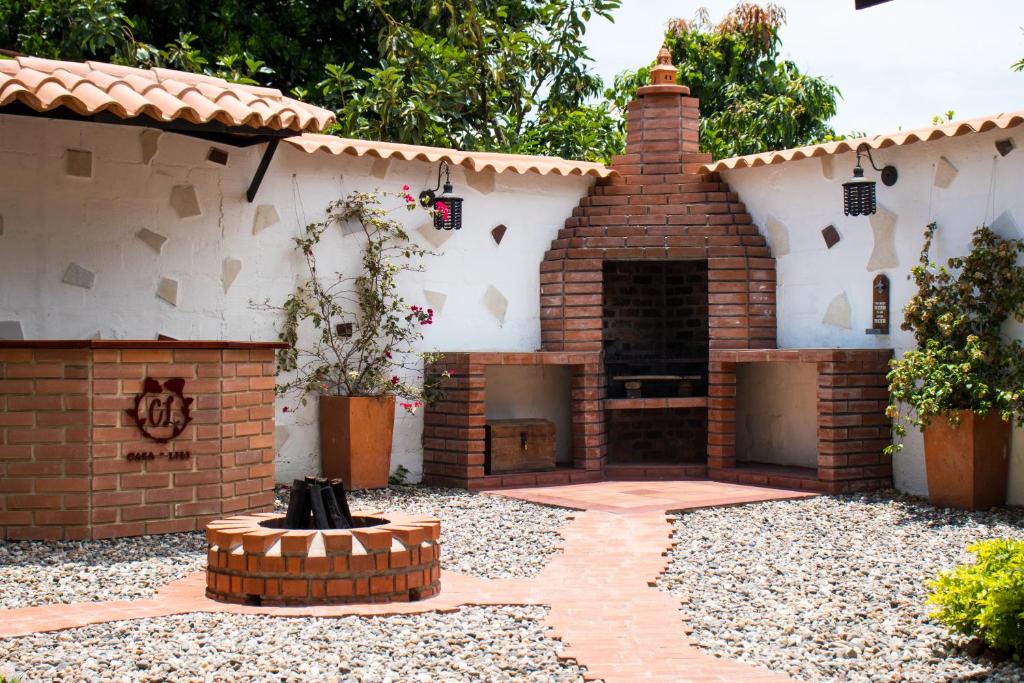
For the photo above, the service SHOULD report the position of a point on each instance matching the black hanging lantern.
(447, 207)
(859, 193)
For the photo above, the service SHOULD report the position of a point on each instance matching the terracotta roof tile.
(907, 137)
(162, 94)
(478, 161)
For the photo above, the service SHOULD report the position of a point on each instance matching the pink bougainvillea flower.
(394, 379)
(443, 208)
(405, 188)
(387, 354)
(407, 405)
(418, 404)
(414, 308)
(430, 311)
(285, 409)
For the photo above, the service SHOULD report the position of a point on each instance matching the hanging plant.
(962, 360)
(364, 332)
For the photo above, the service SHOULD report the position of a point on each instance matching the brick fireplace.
(659, 268)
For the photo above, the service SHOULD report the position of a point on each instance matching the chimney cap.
(664, 73)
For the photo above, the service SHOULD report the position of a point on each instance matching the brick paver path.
(604, 605)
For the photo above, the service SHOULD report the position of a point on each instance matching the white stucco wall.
(792, 202)
(50, 220)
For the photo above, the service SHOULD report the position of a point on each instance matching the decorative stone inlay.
(252, 561)
(230, 270)
(481, 181)
(168, 291)
(265, 216)
(838, 313)
(153, 240)
(435, 300)
(778, 233)
(1005, 146)
(149, 140)
(496, 303)
(826, 167)
(78, 163)
(185, 201)
(498, 233)
(433, 236)
(883, 254)
(1005, 225)
(79, 277)
(380, 168)
(11, 329)
(831, 236)
(945, 173)
(217, 156)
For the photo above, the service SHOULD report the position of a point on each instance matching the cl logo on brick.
(161, 411)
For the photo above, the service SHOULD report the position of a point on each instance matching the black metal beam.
(864, 4)
(261, 170)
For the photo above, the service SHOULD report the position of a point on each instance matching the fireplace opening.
(655, 342)
(655, 328)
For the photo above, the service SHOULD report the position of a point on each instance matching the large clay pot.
(355, 439)
(967, 465)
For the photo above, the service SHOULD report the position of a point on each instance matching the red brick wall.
(65, 436)
(661, 206)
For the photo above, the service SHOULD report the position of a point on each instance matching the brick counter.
(66, 436)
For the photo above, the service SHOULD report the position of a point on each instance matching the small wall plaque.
(879, 305)
(831, 236)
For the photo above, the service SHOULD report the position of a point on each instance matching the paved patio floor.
(600, 589)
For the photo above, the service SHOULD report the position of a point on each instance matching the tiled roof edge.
(909, 137)
(477, 161)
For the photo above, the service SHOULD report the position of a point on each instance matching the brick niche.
(66, 436)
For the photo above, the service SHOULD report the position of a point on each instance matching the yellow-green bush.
(985, 599)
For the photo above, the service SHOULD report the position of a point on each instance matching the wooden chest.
(520, 446)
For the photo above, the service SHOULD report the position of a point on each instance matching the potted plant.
(964, 383)
(362, 335)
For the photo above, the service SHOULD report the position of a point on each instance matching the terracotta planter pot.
(968, 465)
(355, 439)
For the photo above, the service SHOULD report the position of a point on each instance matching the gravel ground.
(490, 644)
(489, 536)
(40, 573)
(830, 588)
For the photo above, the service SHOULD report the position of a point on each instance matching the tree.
(502, 75)
(751, 100)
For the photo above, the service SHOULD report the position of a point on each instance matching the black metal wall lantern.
(447, 207)
(859, 193)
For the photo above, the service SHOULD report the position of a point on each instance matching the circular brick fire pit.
(251, 560)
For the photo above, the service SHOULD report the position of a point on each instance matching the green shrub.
(985, 599)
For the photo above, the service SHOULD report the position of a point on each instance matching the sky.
(897, 64)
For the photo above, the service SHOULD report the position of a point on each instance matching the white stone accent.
(778, 235)
(185, 201)
(945, 173)
(435, 300)
(883, 228)
(265, 216)
(496, 304)
(153, 240)
(232, 267)
(79, 277)
(168, 291)
(838, 313)
(11, 329)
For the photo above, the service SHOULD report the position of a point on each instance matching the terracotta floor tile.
(602, 604)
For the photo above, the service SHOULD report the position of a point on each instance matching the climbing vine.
(363, 333)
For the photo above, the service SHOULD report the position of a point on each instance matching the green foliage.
(985, 599)
(396, 478)
(507, 75)
(962, 361)
(384, 328)
(751, 100)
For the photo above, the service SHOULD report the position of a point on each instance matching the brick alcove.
(663, 221)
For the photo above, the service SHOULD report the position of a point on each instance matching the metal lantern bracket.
(889, 173)
(451, 217)
(428, 197)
